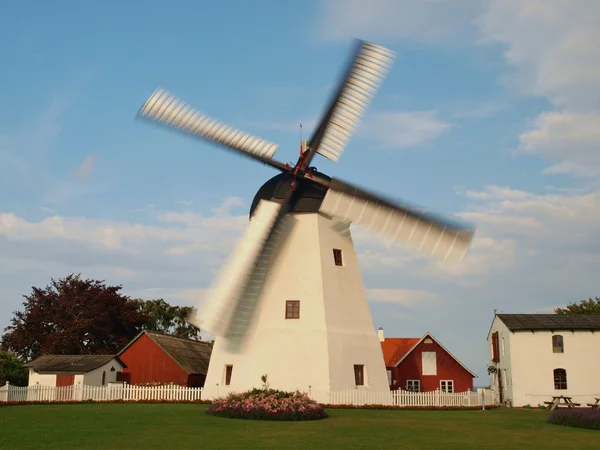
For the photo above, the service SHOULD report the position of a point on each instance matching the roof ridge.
(159, 333)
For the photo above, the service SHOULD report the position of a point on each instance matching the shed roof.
(550, 322)
(191, 355)
(75, 364)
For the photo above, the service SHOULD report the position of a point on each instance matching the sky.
(491, 112)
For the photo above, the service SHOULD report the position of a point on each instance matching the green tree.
(590, 306)
(73, 316)
(166, 318)
(12, 370)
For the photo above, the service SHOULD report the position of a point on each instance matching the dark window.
(447, 386)
(228, 371)
(495, 349)
(560, 379)
(413, 385)
(103, 378)
(292, 309)
(359, 374)
(337, 257)
(557, 344)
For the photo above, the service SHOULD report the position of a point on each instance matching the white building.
(68, 370)
(534, 357)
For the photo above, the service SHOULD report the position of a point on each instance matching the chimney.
(380, 334)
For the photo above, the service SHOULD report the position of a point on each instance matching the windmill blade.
(369, 66)
(422, 231)
(164, 108)
(232, 301)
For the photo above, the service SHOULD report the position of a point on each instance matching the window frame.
(338, 258)
(359, 374)
(294, 312)
(414, 383)
(559, 376)
(558, 343)
(449, 389)
(228, 374)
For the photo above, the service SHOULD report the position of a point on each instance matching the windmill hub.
(309, 195)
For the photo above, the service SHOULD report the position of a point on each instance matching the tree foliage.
(12, 370)
(166, 318)
(590, 306)
(73, 316)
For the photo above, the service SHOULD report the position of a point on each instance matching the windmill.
(290, 301)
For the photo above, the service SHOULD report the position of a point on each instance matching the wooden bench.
(595, 405)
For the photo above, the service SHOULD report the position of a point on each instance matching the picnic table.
(561, 399)
(596, 404)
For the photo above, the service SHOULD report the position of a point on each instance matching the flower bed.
(267, 404)
(576, 417)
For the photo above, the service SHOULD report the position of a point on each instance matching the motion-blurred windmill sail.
(229, 308)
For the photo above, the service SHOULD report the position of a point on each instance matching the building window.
(495, 349)
(428, 363)
(560, 379)
(447, 386)
(413, 385)
(228, 372)
(557, 344)
(292, 309)
(389, 374)
(428, 341)
(103, 377)
(359, 374)
(337, 257)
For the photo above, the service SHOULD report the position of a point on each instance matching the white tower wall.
(335, 329)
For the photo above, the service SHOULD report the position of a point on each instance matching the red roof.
(396, 348)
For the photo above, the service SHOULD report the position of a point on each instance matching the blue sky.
(490, 112)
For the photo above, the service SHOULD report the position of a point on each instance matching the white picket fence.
(172, 393)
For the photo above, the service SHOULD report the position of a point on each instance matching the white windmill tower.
(290, 302)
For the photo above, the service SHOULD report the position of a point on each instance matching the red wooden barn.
(423, 364)
(153, 357)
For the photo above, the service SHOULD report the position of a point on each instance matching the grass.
(148, 426)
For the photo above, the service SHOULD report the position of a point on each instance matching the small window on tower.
(337, 257)
(228, 372)
(292, 309)
(359, 374)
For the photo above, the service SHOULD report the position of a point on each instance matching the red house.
(153, 357)
(423, 365)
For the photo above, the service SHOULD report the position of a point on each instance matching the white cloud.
(405, 297)
(402, 129)
(425, 21)
(571, 137)
(142, 254)
(551, 45)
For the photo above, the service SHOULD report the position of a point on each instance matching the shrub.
(267, 404)
(576, 417)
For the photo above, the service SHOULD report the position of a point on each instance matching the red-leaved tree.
(73, 316)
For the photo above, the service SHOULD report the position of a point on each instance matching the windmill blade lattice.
(423, 232)
(166, 109)
(231, 302)
(369, 66)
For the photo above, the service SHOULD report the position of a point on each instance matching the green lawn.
(182, 426)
